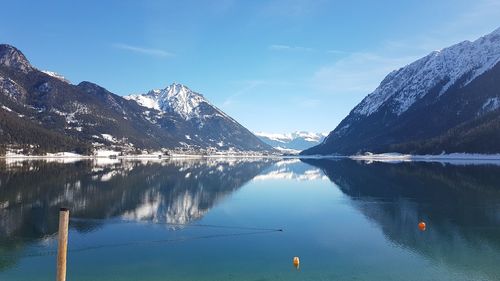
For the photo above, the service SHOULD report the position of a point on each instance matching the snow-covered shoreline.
(457, 158)
(69, 155)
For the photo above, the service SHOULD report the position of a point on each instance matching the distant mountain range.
(296, 141)
(447, 101)
(41, 111)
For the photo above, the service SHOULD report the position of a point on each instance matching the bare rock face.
(13, 58)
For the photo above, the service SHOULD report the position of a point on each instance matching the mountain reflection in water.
(172, 192)
(346, 220)
(459, 203)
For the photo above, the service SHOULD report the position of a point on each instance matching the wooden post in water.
(62, 244)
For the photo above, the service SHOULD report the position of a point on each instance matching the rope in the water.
(178, 224)
(160, 241)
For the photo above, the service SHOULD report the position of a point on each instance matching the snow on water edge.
(451, 158)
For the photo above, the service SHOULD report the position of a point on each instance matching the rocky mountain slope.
(446, 102)
(42, 112)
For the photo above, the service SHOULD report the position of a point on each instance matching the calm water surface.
(220, 220)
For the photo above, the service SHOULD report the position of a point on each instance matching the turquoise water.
(221, 220)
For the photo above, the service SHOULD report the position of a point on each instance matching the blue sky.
(275, 66)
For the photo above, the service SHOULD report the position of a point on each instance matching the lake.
(245, 219)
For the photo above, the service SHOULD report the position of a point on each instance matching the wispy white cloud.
(222, 6)
(337, 52)
(357, 73)
(291, 8)
(361, 72)
(307, 102)
(142, 50)
(480, 19)
(247, 87)
(282, 47)
(278, 47)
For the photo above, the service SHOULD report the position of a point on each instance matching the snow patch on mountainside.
(109, 138)
(491, 105)
(461, 63)
(6, 108)
(56, 75)
(11, 89)
(146, 101)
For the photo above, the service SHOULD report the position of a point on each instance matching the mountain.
(42, 112)
(203, 124)
(447, 101)
(296, 141)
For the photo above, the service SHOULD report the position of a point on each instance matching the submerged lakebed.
(221, 219)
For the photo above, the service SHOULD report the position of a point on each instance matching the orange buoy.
(421, 226)
(296, 262)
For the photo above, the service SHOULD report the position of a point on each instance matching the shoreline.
(455, 158)
(383, 157)
(139, 157)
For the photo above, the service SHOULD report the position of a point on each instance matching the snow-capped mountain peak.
(56, 75)
(455, 66)
(180, 99)
(175, 98)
